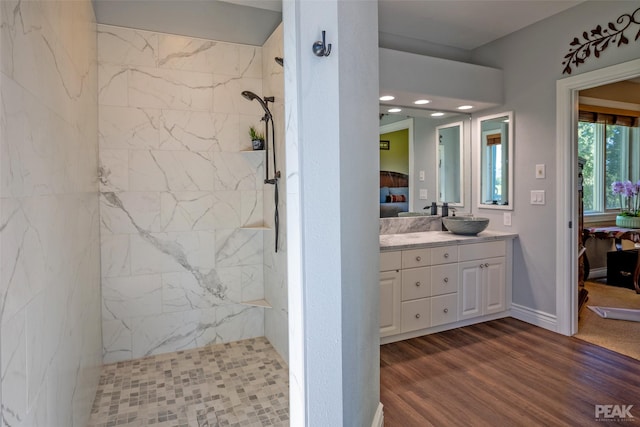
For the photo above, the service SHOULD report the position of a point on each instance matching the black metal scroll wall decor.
(598, 39)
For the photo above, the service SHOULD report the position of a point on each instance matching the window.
(610, 146)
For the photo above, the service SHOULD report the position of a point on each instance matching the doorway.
(566, 167)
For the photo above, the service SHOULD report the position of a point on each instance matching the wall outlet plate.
(421, 176)
(540, 172)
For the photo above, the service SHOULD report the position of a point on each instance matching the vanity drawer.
(416, 283)
(390, 260)
(415, 315)
(481, 250)
(444, 309)
(444, 279)
(416, 258)
(444, 254)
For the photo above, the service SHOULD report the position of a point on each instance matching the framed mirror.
(495, 169)
(450, 164)
(417, 176)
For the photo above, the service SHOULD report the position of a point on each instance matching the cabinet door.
(416, 314)
(444, 309)
(389, 303)
(470, 295)
(444, 279)
(416, 283)
(494, 287)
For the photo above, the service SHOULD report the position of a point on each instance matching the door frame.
(566, 167)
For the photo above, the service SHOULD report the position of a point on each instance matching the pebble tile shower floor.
(245, 383)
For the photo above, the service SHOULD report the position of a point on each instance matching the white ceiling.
(462, 24)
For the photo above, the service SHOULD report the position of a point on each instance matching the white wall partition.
(332, 212)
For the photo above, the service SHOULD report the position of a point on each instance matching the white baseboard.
(378, 418)
(535, 317)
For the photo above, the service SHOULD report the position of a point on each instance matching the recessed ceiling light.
(387, 98)
(437, 114)
(394, 110)
(465, 107)
(421, 101)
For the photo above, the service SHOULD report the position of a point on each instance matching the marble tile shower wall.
(179, 192)
(50, 340)
(275, 264)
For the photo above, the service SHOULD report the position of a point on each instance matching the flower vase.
(628, 221)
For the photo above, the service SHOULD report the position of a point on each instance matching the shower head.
(251, 96)
(279, 60)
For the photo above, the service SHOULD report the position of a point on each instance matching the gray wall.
(531, 60)
(49, 229)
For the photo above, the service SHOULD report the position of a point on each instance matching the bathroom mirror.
(422, 180)
(449, 163)
(495, 171)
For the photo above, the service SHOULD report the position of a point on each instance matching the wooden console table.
(618, 234)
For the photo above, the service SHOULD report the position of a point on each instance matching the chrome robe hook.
(320, 48)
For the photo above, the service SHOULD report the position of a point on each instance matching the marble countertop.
(427, 239)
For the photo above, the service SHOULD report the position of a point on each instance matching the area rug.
(621, 336)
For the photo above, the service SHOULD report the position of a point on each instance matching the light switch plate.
(540, 172)
(537, 197)
(506, 219)
(424, 194)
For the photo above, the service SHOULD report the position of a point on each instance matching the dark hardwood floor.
(504, 373)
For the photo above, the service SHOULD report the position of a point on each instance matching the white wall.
(181, 197)
(49, 231)
(531, 60)
(332, 186)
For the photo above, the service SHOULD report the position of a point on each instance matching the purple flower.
(617, 187)
(629, 189)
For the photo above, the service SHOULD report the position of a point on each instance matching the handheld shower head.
(251, 96)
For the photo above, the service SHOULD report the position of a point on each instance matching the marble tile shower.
(50, 341)
(181, 194)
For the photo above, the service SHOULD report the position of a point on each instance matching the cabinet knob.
(418, 284)
(418, 258)
(481, 265)
(446, 254)
(446, 280)
(418, 316)
(486, 264)
(446, 310)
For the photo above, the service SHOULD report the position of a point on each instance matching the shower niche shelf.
(255, 227)
(258, 303)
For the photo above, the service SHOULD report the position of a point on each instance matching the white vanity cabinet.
(428, 289)
(431, 289)
(482, 279)
(390, 292)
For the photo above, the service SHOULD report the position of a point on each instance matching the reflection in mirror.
(449, 162)
(421, 181)
(496, 154)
